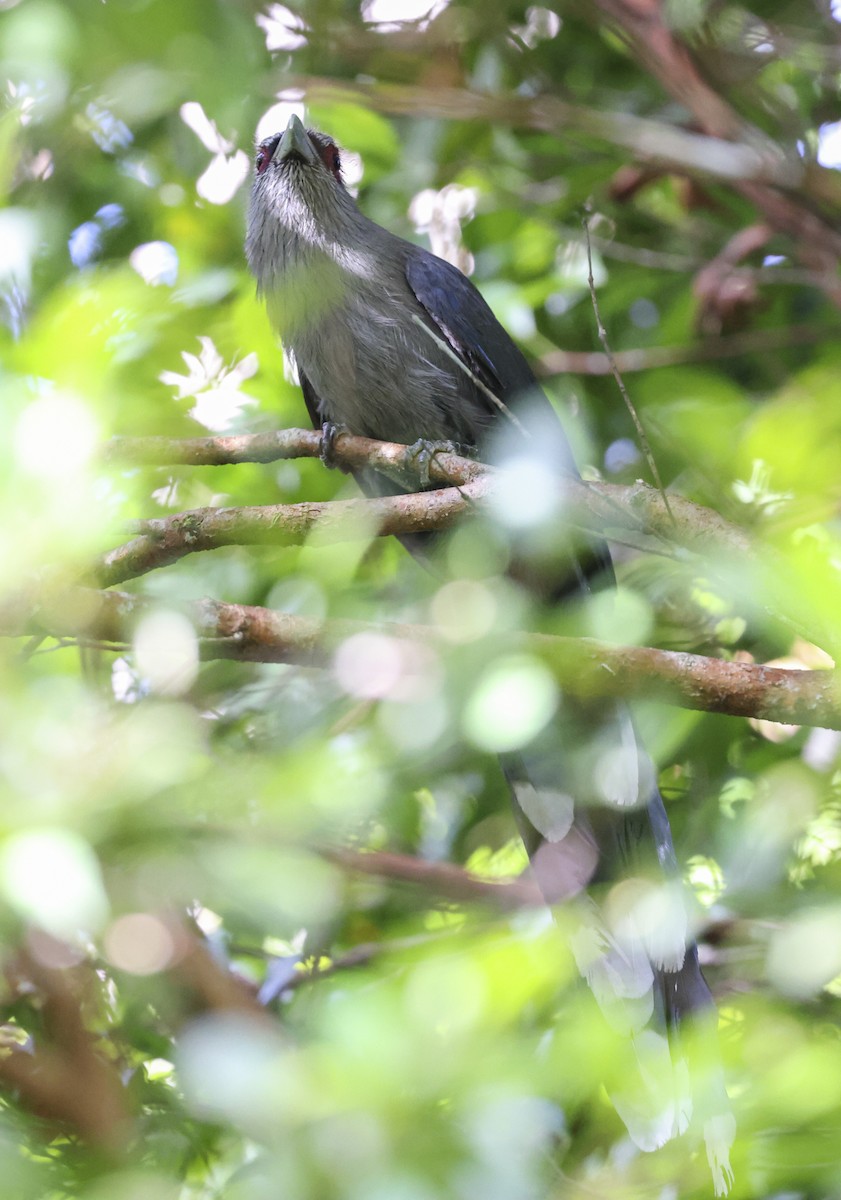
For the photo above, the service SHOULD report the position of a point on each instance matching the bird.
(393, 343)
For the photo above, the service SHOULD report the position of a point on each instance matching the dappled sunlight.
(528, 495)
(284, 30)
(52, 878)
(440, 215)
(290, 102)
(156, 263)
(270, 927)
(214, 386)
(465, 610)
(228, 168)
(166, 653)
(56, 437)
(392, 14)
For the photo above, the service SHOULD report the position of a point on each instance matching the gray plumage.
(393, 343)
(351, 303)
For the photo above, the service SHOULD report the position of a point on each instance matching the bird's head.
(306, 237)
(298, 181)
(298, 159)
(299, 202)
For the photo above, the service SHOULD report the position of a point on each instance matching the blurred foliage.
(162, 818)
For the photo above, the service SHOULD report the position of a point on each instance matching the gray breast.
(377, 372)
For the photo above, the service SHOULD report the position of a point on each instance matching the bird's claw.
(420, 455)
(327, 450)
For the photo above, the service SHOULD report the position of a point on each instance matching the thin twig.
(614, 370)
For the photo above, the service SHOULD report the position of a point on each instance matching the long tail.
(635, 951)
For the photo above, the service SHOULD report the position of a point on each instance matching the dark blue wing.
(468, 324)
(312, 401)
(460, 315)
(474, 334)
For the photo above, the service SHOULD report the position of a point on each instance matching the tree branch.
(783, 188)
(646, 29)
(652, 141)
(652, 358)
(350, 452)
(65, 1077)
(446, 880)
(608, 510)
(582, 667)
(167, 539)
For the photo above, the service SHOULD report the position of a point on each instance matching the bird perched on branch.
(393, 343)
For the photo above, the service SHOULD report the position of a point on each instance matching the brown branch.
(66, 1079)
(167, 539)
(604, 509)
(350, 452)
(635, 515)
(164, 540)
(667, 59)
(652, 141)
(609, 510)
(89, 1101)
(361, 955)
(583, 668)
(653, 42)
(664, 260)
(213, 985)
(779, 185)
(213, 451)
(724, 291)
(446, 880)
(649, 358)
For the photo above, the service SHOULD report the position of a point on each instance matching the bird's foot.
(327, 451)
(420, 454)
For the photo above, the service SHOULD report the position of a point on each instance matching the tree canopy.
(266, 927)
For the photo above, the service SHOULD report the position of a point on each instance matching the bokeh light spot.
(52, 877)
(156, 263)
(55, 436)
(464, 610)
(511, 703)
(374, 666)
(167, 653)
(139, 943)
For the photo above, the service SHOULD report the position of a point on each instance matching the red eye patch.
(265, 151)
(328, 152)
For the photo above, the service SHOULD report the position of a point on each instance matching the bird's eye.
(329, 154)
(265, 151)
